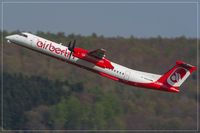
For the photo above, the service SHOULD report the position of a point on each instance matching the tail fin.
(177, 75)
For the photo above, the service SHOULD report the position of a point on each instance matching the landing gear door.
(127, 75)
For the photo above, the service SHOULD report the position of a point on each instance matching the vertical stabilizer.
(177, 75)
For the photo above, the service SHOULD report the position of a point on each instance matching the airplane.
(96, 61)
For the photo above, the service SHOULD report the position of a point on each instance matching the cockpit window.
(24, 35)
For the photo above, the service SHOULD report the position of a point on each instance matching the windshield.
(24, 35)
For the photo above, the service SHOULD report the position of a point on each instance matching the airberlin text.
(52, 48)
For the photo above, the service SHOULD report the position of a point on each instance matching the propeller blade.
(73, 46)
(69, 45)
(70, 55)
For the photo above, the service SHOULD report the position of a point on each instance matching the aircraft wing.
(96, 57)
(99, 53)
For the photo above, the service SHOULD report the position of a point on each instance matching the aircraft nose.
(9, 38)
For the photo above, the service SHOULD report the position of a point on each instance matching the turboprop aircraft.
(96, 61)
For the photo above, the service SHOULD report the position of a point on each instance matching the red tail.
(176, 76)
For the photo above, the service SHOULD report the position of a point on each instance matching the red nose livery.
(97, 62)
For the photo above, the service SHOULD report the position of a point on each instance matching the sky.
(107, 19)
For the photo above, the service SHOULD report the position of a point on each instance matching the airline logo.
(52, 48)
(178, 76)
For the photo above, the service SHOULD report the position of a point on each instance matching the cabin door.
(127, 75)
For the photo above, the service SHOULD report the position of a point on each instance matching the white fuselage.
(61, 52)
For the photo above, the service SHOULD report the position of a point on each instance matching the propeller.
(71, 48)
